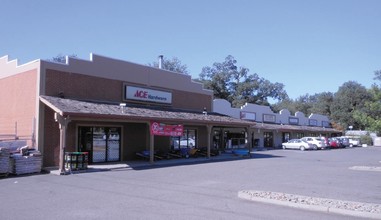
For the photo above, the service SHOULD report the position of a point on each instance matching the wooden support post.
(151, 148)
(63, 123)
(249, 139)
(208, 134)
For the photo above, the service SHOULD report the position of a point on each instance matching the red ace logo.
(141, 94)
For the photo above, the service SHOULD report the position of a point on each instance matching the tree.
(235, 84)
(319, 103)
(350, 97)
(288, 104)
(377, 75)
(173, 65)
(60, 58)
(370, 116)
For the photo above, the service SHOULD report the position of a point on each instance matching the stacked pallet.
(25, 164)
(4, 160)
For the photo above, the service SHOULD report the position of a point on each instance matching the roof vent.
(161, 57)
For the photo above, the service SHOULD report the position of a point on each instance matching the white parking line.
(365, 168)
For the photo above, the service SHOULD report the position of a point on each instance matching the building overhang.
(77, 109)
(294, 128)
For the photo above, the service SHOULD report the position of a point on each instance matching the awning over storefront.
(67, 110)
(75, 108)
(293, 128)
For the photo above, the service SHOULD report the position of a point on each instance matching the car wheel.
(302, 148)
(284, 147)
(351, 145)
(315, 147)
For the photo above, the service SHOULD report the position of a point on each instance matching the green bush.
(366, 139)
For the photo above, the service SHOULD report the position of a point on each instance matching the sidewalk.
(143, 164)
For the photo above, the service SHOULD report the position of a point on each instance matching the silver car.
(298, 144)
(317, 142)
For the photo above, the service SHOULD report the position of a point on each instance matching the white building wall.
(259, 113)
(284, 116)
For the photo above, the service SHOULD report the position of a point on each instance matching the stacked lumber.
(25, 164)
(4, 160)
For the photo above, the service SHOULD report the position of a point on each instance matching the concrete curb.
(319, 208)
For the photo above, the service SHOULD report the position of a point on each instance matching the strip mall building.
(112, 109)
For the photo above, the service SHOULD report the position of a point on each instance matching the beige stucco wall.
(18, 104)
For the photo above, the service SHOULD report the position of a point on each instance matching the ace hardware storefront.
(111, 109)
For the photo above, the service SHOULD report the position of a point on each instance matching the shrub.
(366, 139)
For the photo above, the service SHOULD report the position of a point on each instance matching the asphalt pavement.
(197, 188)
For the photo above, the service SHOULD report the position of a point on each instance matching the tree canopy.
(238, 86)
(370, 116)
(60, 58)
(173, 65)
(350, 97)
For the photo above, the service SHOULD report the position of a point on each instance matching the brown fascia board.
(121, 117)
(50, 105)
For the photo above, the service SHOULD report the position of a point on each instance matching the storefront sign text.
(147, 95)
(268, 118)
(162, 129)
(248, 116)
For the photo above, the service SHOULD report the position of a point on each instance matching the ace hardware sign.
(147, 95)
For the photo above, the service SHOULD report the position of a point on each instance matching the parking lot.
(203, 189)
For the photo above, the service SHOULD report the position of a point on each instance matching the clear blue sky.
(311, 46)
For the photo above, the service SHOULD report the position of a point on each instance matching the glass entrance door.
(102, 143)
(268, 139)
(99, 145)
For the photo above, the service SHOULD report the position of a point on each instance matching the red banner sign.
(162, 129)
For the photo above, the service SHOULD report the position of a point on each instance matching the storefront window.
(102, 143)
(235, 140)
(286, 136)
(299, 135)
(187, 140)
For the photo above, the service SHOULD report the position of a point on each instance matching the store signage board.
(147, 95)
(162, 129)
(325, 124)
(248, 116)
(269, 118)
(313, 122)
(293, 121)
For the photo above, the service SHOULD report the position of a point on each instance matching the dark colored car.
(334, 143)
(344, 142)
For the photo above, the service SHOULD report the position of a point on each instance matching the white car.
(354, 142)
(298, 144)
(317, 142)
(184, 142)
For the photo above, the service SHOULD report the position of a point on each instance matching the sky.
(311, 46)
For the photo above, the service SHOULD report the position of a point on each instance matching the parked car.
(317, 142)
(354, 142)
(298, 144)
(333, 142)
(325, 140)
(185, 142)
(344, 141)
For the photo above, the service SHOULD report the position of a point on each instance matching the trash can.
(76, 161)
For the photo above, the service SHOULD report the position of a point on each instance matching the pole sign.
(147, 95)
(162, 129)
